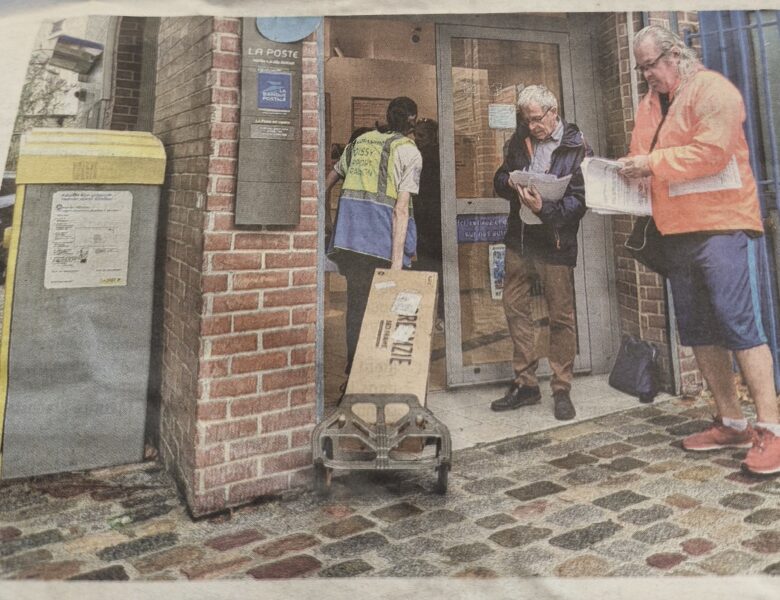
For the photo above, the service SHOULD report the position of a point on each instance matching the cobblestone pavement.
(615, 496)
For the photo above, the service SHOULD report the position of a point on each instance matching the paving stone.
(349, 526)
(585, 475)
(349, 568)
(355, 545)
(422, 523)
(467, 552)
(771, 487)
(535, 490)
(682, 501)
(646, 412)
(476, 573)
(411, 568)
(665, 466)
(626, 480)
(633, 570)
(773, 569)
(137, 547)
(477, 507)
(579, 539)
(582, 443)
(741, 477)
(290, 543)
(34, 540)
(667, 420)
(665, 560)
(634, 429)
(623, 550)
(287, 568)
(488, 485)
(112, 573)
(612, 450)
(9, 533)
(688, 428)
(493, 521)
(613, 420)
(728, 562)
(531, 510)
(50, 571)
(337, 511)
(211, 570)
(742, 501)
(414, 547)
(159, 561)
(620, 500)
(698, 473)
(396, 512)
(519, 445)
(729, 463)
(660, 532)
(766, 542)
(764, 516)
(645, 516)
(583, 566)
(573, 460)
(20, 499)
(534, 473)
(697, 546)
(21, 561)
(649, 439)
(625, 463)
(519, 536)
(234, 540)
(575, 515)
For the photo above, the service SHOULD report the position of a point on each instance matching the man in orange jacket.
(689, 126)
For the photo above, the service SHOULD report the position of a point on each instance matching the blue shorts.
(715, 289)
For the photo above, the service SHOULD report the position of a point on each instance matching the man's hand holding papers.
(534, 188)
(608, 191)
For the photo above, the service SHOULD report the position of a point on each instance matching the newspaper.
(608, 192)
(550, 188)
(727, 179)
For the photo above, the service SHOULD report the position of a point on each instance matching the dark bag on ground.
(636, 369)
(646, 245)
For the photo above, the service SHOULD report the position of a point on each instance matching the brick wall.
(123, 110)
(240, 320)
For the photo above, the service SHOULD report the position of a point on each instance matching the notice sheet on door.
(89, 239)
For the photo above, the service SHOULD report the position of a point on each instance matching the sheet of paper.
(727, 179)
(608, 192)
(549, 187)
(406, 304)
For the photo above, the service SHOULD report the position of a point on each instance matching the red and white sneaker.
(719, 436)
(764, 457)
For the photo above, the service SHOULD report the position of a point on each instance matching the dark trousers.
(358, 270)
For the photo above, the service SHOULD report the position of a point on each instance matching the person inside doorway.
(690, 125)
(374, 227)
(541, 244)
(427, 209)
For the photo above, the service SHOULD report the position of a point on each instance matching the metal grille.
(745, 47)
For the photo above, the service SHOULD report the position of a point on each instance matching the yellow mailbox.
(77, 320)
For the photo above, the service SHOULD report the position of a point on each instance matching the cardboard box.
(394, 348)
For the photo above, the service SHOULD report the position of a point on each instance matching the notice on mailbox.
(89, 239)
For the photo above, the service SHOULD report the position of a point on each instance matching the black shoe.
(516, 397)
(564, 409)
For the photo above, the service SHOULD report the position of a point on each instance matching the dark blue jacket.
(555, 240)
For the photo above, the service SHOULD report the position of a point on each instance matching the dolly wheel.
(441, 484)
(322, 478)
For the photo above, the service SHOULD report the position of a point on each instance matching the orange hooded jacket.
(702, 131)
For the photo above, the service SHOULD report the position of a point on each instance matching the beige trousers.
(558, 289)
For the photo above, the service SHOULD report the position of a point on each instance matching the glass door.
(480, 72)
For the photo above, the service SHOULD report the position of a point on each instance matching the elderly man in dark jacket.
(541, 242)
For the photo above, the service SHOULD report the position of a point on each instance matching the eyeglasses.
(651, 65)
(535, 120)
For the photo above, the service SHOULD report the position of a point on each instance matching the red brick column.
(241, 314)
(123, 111)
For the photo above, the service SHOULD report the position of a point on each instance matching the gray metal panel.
(262, 202)
(79, 358)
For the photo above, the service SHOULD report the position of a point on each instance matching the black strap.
(665, 104)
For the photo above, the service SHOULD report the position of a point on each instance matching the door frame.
(597, 321)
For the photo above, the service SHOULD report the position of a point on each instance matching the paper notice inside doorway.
(89, 239)
(608, 192)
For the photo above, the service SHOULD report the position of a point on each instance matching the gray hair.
(537, 94)
(665, 40)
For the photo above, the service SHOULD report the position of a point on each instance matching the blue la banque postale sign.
(274, 91)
